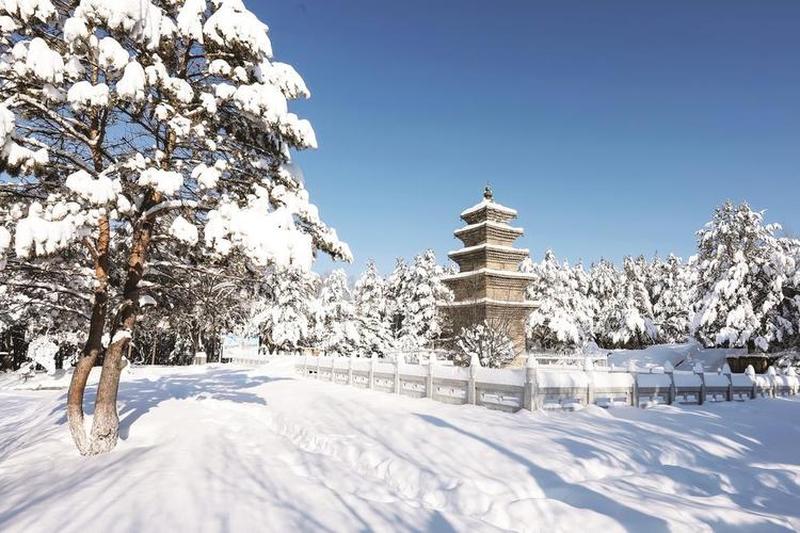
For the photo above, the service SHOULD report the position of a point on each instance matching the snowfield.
(226, 448)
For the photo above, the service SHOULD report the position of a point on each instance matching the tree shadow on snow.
(720, 458)
(557, 488)
(138, 396)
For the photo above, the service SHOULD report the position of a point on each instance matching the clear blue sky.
(613, 127)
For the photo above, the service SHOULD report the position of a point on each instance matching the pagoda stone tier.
(489, 286)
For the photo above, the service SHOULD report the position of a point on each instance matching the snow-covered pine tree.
(741, 274)
(639, 281)
(336, 328)
(786, 316)
(563, 320)
(369, 297)
(192, 302)
(145, 122)
(622, 325)
(423, 290)
(51, 298)
(283, 315)
(620, 299)
(671, 309)
(604, 282)
(397, 297)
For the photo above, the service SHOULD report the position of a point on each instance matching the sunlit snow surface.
(235, 449)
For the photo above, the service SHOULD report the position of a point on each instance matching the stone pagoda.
(489, 286)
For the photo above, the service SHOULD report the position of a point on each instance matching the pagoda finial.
(487, 193)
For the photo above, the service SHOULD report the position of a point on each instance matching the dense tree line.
(739, 291)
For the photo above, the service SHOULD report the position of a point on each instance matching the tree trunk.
(94, 343)
(105, 428)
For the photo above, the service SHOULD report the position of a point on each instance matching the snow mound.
(681, 356)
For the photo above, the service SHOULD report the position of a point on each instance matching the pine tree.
(639, 281)
(786, 316)
(671, 309)
(336, 327)
(563, 319)
(621, 302)
(284, 316)
(143, 126)
(604, 282)
(741, 276)
(369, 297)
(397, 294)
(424, 290)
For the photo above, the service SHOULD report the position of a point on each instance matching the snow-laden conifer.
(563, 319)
(622, 306)
(150, 123)
(369, 298)
(336, 327)
(671, 309)
(422, 292)
(742, 270)
(283, 315)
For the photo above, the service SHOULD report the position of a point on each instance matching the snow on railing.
(568, 361)
(549, 386)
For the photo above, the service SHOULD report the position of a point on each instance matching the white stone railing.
(540, 387)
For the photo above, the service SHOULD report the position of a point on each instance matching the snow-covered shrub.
(492, 346)
(42, 351)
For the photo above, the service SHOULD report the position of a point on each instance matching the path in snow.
(227, 448)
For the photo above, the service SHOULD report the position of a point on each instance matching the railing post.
(726, 371)
(372, 359)
(397, 362)
(773, 382)
(333, 368)
(305, 365)
(472, 391)
(588, 367)
(429, 378)
(751, 373)
(350, 371)
(319, 364)
(698, 369)
(632, 372)
(673, 388)
(530, 382)
(792, 375)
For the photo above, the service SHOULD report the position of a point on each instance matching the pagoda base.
(508, 317)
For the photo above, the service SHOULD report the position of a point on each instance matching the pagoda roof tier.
(491, 302)
(498, 284)
(488, 231)
(489, 272)
(488, 256)
(488, 209)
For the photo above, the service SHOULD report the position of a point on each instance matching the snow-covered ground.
(682, 356)
(235, 449)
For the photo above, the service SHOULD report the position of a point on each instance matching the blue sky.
(613, 127)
